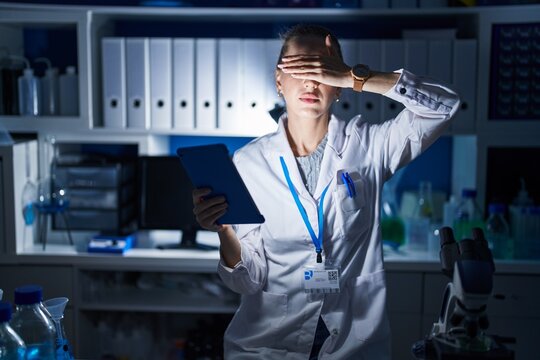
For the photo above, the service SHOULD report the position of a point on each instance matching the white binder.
(440, 60)
(369, 104)
(272, 100)
(161, 83)
(205, 84)
(393, 56)
(183, 69)
(416, 56)
(464, 82)
(253, 110)
(138, 83)
(347, 106)
(230, 84)
(114, 82)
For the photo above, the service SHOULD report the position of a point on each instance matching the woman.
(317, 181)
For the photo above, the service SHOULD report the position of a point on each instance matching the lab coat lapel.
(332, 155)
(279, 146)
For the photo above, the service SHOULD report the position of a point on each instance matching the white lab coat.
(276, 318)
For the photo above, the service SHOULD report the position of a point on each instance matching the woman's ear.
(278, 81)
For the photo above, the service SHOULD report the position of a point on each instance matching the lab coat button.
(334, 332)
(402, 90)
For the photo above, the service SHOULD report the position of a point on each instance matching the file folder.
(416, 56)
(183, 84)
(440, 60)
(393, 56)
(464, 82)
(138, 83)
(161, 83)
(114, 82)
(230, 84)
(369, 104)
(205, 84)
(253, 112)
(347, 107)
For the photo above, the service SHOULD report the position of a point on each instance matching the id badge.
(321, 278)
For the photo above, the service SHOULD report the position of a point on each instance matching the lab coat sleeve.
(429, 106)
(249, 274)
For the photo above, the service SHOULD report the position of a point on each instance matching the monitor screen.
(165, 201)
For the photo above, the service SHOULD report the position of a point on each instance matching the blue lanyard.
(317, 240)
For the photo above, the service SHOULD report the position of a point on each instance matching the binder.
(440, 60)
(230, 84)
(274, 104)
(183, 69)
(205, 84)
(253, 111)
(393, 56)
(347, 106)
(464, 82)
(416, 56)
(114, 82)
(161, 83)
(138, 83)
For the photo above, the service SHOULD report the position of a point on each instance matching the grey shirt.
(310, 165)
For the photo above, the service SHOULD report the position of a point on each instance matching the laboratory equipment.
(69, 92)
(56, 308)
(460, 330)
(32, 323)
(468, 215)
(28, 90)
(392, 225)
(49, 89)
(498, 233)
(10, 71)
(12, 347)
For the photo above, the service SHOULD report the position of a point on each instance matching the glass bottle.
(498, 233)
(468, 215)
(419, 225)
(33, 324)
(12, 347)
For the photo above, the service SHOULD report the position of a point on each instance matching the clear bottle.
(49, 89)
(29, 93)
(69, 92)
(419, 226)
(468, 215)
(498, 233)
(12, 347)
(33, 324)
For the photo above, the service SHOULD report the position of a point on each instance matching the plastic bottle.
(49, 89)
(12, 347)
(498, 233)
(33, 324)
(449, 211)
(69, 92)
(29, 92)
(468, 215)
(419, 226)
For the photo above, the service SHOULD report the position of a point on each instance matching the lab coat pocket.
(368, 307)
(354, 203)
(258, 319)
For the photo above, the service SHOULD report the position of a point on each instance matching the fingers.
(208, 211)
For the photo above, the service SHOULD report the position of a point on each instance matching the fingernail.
(279, 65)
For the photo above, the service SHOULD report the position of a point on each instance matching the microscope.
(459, 332)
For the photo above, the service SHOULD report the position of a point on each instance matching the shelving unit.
(66, 273)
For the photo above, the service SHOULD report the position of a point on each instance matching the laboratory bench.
(182, 286)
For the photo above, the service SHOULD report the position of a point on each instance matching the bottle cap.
(497, 208)
(5, 311)
(28, 72)
(468, 193)
(28, 294)
(70, 70)
(51, 72)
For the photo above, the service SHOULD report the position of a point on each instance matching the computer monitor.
(165, 201)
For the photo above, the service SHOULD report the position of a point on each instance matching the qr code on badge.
(332, 275)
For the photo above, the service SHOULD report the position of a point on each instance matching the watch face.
(361, 71)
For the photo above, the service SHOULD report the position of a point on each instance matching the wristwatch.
(360, 74)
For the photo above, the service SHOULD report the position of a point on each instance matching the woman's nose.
(311, 84)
